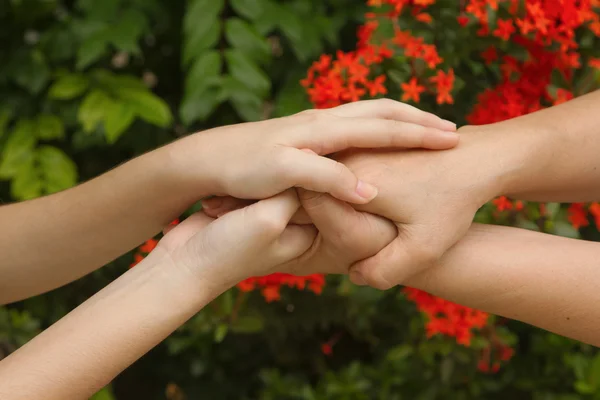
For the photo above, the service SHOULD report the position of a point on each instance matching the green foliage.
(87, 84)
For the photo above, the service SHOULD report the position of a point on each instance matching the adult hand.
(432, 199)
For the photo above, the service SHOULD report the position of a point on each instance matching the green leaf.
(290, 23)
(245, 71)
(201, 13)
(199, 105)
(27, 184)
(147, 106)
(207, 66)
(92, 109)
(245, 101)
(200, 40)
(33, 74)
(118, 82)
(251, 9)
(221, 332)
(126, 34)
(291, 98)
(563, 228)
(18, 149)
(248, 324)
(104, 394)
(552, 209)
(92, 49)
(50, 127)
(117, 119)
(57, 170)
(202, 27)
(246, 38)
(68, 87)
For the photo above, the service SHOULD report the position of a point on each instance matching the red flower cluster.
(447, 318)
(143, 251)
(331, 82)
(578, 214)
(270, 285)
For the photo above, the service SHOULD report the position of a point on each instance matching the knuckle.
(268, 223)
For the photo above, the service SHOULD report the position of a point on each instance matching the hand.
(260, 159)
(246, 242)
(431, 197)
(345, 235)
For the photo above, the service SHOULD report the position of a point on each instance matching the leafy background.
(86, 85)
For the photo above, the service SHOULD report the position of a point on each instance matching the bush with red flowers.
(86, 85)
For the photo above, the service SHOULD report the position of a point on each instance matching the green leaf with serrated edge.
(246, 38)
(147, 106)
(247, 72)
(57, 170)
(49, 127)
(18, 149)
(68, 87)
(92, 109)
(117, 118)
(203, 71)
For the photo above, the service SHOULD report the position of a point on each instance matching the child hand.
(247, 242)
(257, 160)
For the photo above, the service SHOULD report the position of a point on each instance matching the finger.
(393, 265)
(181, 233)
(219, 205)
(330, 216)
(335, 134)
(271, 216)
(301, 217)
(325, 175)
(337, 220)
(293, 242)
(391, 109)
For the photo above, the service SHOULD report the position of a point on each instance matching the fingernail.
(366, 190)
(212, 203)
(357, 278)
(448, 125)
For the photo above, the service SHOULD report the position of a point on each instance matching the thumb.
(386, 269)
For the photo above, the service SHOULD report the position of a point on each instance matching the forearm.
(549, 155)
(85, 350)
(547, 281)
(51, 241)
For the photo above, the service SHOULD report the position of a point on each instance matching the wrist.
(188, 168)
(509, 155)
(178, 283)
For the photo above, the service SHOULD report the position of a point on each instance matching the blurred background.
(86, 85)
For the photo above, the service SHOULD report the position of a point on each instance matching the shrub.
(88, 84)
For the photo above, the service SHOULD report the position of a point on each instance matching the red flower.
(502, 203)
(505, 29)
(577, 215)
(490, 55)
(412, 90)
(327, 349)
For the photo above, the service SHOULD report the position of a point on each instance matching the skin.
(550, 155)
(77, 231)
(193, 264)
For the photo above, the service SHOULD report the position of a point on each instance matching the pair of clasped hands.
(376, 208)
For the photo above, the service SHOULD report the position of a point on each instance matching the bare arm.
(550, 155)
(48, 242)
(195, 262)
(544, 280)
